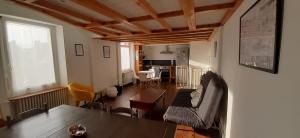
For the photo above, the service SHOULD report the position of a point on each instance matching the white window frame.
(130, 64)
(5, 55)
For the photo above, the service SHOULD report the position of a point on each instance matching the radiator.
(127, 77)
(53, 98)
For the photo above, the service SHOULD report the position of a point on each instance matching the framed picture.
(79, 50)
(215, 49)
(106, 51)
(260, 35)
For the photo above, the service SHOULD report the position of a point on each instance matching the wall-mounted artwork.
(215, 48)
(106, 51)
(79, 50)
(260, 35)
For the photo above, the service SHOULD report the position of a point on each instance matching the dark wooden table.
(146, 99)
(55, 123)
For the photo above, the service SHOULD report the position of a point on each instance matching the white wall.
(261, 104)
(104, 70)
(152, 52)
(71, 33)
(200, 52)
(215, 60)
(79, 68)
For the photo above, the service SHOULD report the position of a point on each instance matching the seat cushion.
(183, 98)
(210, 104)
(196, 97)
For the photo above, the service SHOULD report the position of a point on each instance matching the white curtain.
(30, 56)
(125, 58)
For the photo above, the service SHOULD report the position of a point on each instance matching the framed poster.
(215, 48)
(79, 50)
(260, 35)
(106, 51)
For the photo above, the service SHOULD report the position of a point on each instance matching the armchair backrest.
(81, 92)
(74, 86)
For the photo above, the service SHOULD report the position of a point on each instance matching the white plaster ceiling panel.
(127, 8)
(164, 5)
(209, 17)
(151, 24)
(210, 2)
(177, 21)
(75, 7)
(130, 28)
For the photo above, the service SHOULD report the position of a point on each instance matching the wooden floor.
(131, 90)
(157, 113)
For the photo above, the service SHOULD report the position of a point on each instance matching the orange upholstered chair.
(81, 92)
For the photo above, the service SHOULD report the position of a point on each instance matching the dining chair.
(26, 114)
(152, 74)
(157, 79)
(136, 78)
(144, 80)
(81, 93)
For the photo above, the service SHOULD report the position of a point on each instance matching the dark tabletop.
(55, 123)
(146, 98)
(149, 95)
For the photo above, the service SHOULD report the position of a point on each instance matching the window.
(125, 56)
(30, 57)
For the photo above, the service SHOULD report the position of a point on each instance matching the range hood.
(166, 51)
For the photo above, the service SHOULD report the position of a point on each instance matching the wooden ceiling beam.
(106, 11)
(147, 7)
(188, 8)
(178, 13)
(230, 11)
(204, 26)
(190, 38)
(151, 42)
(165, 36)
(106, 31)
(166, 33)
(182, 39)
(121, 29)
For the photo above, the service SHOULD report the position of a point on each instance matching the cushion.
(210, 104)
(196, 97)
(183, 98)
(111, 92)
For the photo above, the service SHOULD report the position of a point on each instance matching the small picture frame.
(215, 48)
(79, 51)
(106, 51)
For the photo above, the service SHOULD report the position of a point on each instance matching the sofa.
(207, 111)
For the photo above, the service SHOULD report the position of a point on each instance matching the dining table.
(147, 73)
(56, 122)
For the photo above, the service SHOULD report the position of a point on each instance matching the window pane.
(125, 58)
(124, 43)
(30, 55)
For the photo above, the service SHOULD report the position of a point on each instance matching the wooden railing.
(53, 97)
(188, 76)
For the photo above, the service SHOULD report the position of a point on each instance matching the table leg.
(137, 113)
(164, 101)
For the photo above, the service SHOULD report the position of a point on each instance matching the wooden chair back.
(26, 114)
